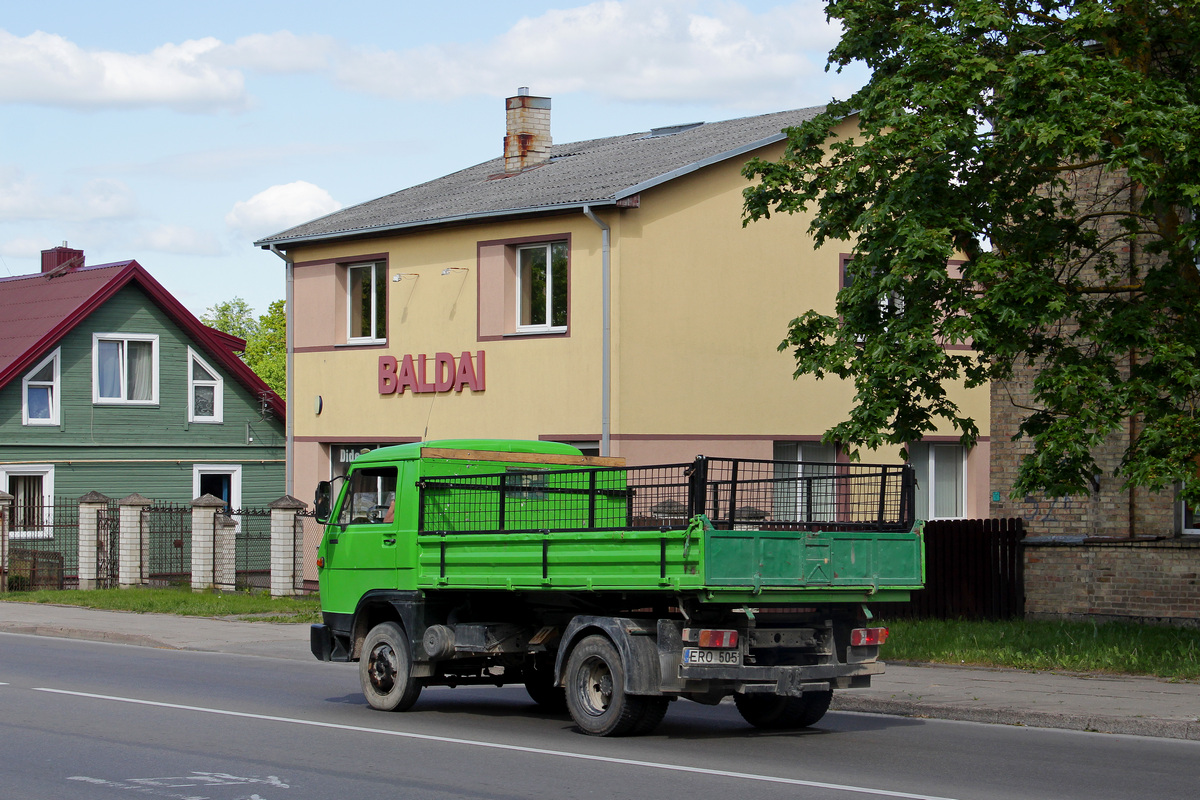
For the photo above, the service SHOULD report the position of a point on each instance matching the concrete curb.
(1137, 726)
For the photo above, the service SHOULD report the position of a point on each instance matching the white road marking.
(510, 747)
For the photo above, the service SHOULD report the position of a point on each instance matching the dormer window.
(205, 390)
(40, 393)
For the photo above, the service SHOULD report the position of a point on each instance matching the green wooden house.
(108, 384)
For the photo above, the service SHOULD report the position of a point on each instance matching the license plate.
(696, 655)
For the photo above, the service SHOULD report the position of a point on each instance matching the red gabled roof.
(36, 311)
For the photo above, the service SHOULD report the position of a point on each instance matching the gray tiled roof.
(597, 172)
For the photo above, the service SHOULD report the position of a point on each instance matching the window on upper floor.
(542, 275)
(366, 309)
(941, 471)
(40, 393)
(206, 400)
(125, 368)
(524, 286)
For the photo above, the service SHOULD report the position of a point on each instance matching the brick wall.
(1110, 510)
(1156, 581)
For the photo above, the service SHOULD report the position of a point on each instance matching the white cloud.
(279, 208)
(46, 69)
(281, 52)
(630, 50)
(23, 198)
(178, 239)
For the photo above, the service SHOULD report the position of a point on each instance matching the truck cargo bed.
(726, 530)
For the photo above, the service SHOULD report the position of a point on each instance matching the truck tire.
(385, 668)
(773, 712)
(539, 683)
(595, 684)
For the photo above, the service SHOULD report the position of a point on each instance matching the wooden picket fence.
(973, 570)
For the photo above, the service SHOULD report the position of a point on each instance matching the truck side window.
(370, 497)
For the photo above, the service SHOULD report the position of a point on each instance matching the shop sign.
(441, 372)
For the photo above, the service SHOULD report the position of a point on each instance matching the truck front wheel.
(773, 712)
(595, 683)
(385, 669)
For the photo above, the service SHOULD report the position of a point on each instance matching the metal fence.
(307, 533)
(108, 546)
(733, 493)
(43, 545)
(166, 557)
(252, 547)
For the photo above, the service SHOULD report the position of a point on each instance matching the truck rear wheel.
(595, 683)
(773, 712)
(385, 669)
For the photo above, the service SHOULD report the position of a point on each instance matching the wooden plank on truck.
(522, 458)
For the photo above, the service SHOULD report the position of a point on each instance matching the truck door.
(360, 543)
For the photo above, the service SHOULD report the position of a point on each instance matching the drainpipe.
(606, 339)
(288, 424)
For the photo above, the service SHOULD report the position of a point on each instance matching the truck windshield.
(370, 497)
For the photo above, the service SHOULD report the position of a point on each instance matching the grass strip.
(255, 606)
(1113, 647)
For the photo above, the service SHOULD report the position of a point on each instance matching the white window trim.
(235, 480)
(962, 500)
(545, 327)
(218, 390)
(47, 473)
(371, 267)
(124, 337)
(55, 391)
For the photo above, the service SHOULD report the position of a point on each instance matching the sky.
(177, 134)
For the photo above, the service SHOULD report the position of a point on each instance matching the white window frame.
(929, 492)
(378, 272)
(55, 390)
(193, 382)
(1186, 516)
(547, 326)
(46, 471)
(124, 338)
(235, 480)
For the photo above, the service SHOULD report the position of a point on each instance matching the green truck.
(610, 590)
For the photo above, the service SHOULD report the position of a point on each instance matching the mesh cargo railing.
(733, 493)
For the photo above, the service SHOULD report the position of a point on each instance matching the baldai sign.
(440, 373)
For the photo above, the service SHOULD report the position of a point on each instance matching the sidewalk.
(1104, 703)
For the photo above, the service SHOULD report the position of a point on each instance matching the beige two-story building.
(602, 293)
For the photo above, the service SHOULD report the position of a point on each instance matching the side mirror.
(323, 501)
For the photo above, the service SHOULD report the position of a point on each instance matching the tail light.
(865, 637)
(707, 637)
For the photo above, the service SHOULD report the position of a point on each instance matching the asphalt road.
(95, 720)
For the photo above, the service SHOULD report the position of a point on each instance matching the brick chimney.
(61, 259)
(527, 136)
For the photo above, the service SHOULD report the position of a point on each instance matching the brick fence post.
(5, 504)
(284, 558)
(90, 505)
(133, 569)
(225, 552)
(204, 513)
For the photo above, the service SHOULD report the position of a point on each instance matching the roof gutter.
(606, 338)
(289, 476)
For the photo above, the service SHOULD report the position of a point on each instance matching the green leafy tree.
(266, 337)
(266, 352)
(1052, 146)
(233, 317)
